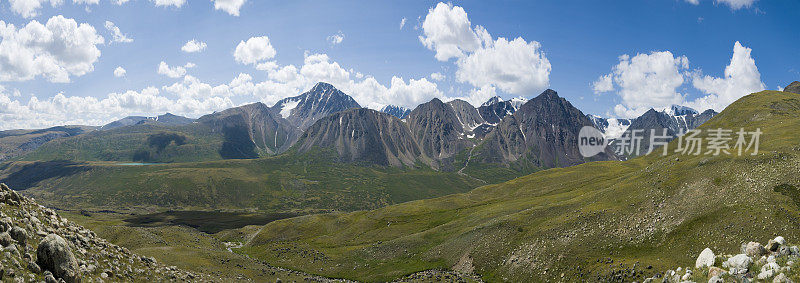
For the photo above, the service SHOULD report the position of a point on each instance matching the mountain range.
(445, 136)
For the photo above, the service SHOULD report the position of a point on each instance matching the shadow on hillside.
(206, 221)
(30, 175)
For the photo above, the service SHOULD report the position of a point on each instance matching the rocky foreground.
(774, 262)
(39, 245)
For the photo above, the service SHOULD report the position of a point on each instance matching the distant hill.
(14, 143)
(166, 119)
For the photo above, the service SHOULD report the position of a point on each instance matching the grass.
(584, 222)
(297, 183)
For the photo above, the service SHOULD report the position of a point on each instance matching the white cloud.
(30, 8)
(173, 71)
(336, 38)
(193, 46)
(119, 2)
(645, 81)
(254, 50)
(733, 4)
(741, 78)
(403, 22)
(514, 66)
(478, 96)
(56, 50)
(87, 2)
(120, 72)
(437, 76)
(448, 31)
(604, 84)
(117, 35)
(230, 6)
(164, 3)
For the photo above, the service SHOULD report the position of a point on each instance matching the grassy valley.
(585, 222)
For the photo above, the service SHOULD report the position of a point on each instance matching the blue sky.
(565, 45)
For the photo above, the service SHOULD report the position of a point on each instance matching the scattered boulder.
(716, 271)
(19, 235)
(55, 255)
(755, 249)
(705, 259)
(781, 278)
(772, 245)
(715, 279)
(5, 239)
(741, 262)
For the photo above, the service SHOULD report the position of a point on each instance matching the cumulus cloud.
(403, 22)
(437, 76)
(645, 81)
(119, 2)
(116, 34)
(165, 3)
(56, 50)
(173, 71)
(30, 8)
(120, 72)
(448, 31)
(651, 81)
(741, 78)
(193, 46)
(336, 38)
(254, 50)
(515, 66)
(230, 6)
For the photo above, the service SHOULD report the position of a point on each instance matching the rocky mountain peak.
(321, 100)
(492, 100)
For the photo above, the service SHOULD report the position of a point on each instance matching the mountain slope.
(675, 120)
(14, 143)
(320, 101)
(467, 115)
(437, 129)
(542, 133)
(363, 136)
(495, 109)
(590, 222)
(793, 87)
(250, 131)
(397, 111)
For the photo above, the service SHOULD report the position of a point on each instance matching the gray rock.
(772, 245)
(706, 258)
(19, 234)
(55, 255)
(755, 249)
(781, 278)
(715, 279)
(5, 239)
(741, 262)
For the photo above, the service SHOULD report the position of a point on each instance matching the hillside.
(14, 143)
(299, 183)
(40, 245)
(585, 222)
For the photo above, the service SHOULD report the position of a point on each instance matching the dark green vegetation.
(296, 183)
(206, 221)
(148, 142)
(14, 143)
(584, 222)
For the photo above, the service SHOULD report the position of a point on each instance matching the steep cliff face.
(467, 115)
(437, 129)
(542, 133)
(250, 130)
(363, 135)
